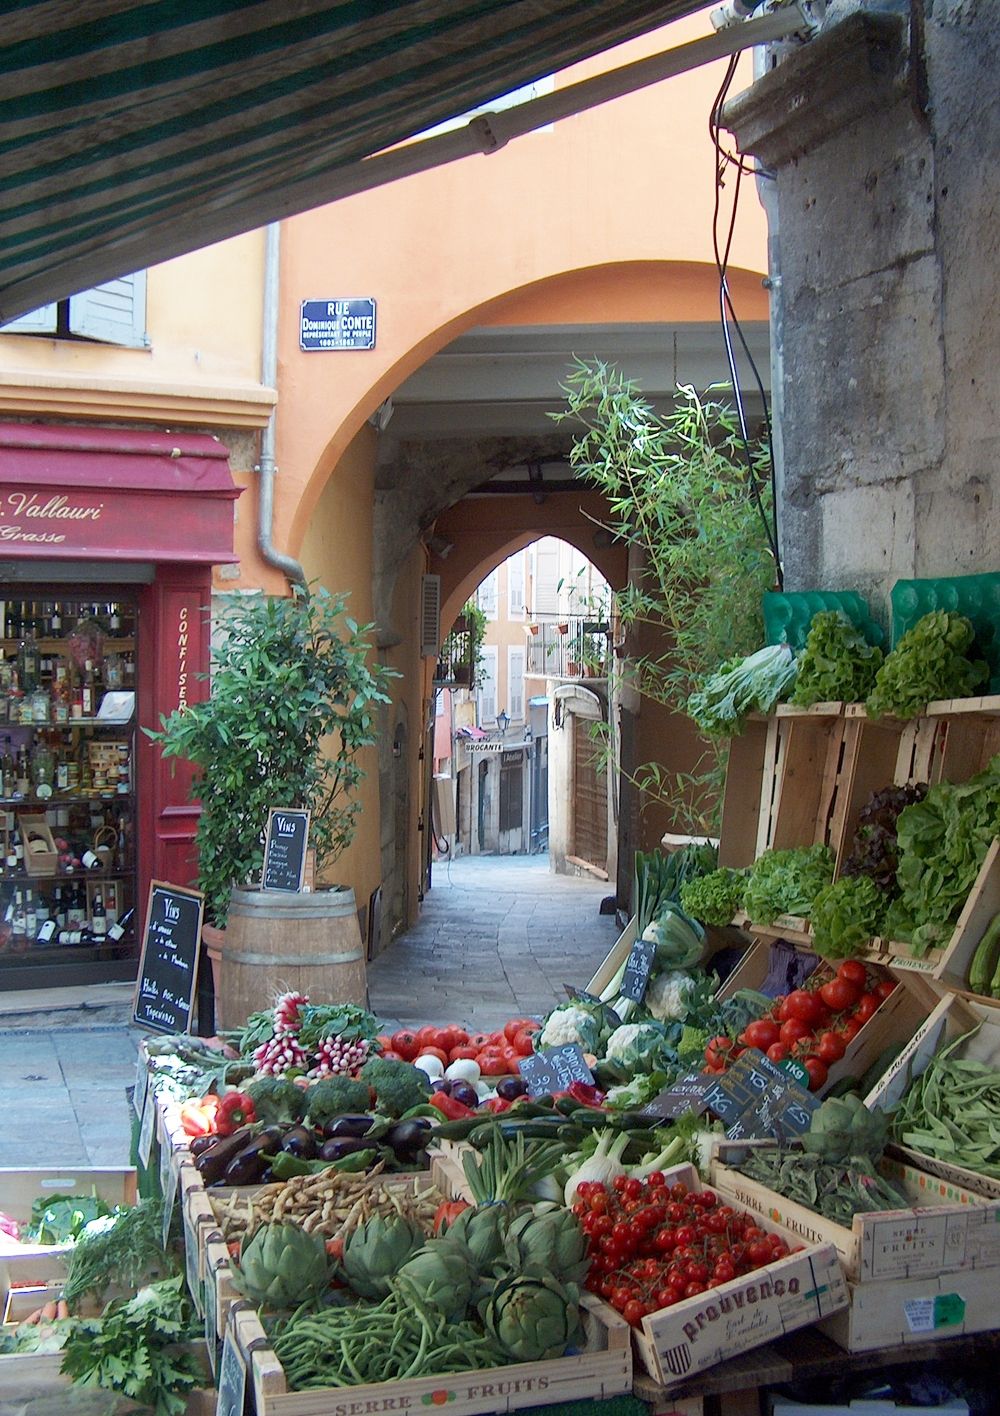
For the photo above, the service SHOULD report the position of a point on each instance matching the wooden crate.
(952, 1017)
(19, 1189)
(915, 1310)
(946, 1229)
(676, 1342)
(602, 1369)
(895, 1021)
(742, 801)
(716, 939)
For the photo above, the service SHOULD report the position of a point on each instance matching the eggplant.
(212, 1163)
(247, 1167)
(408, 1138)
(202, 1143)
(510, 1088)
(339, 1146)
(466, 1093)
(300, 1141)
(347, 1126)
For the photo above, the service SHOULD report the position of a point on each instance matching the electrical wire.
(724, 160)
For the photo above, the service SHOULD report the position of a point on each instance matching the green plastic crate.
(788, 614)
(975, 596)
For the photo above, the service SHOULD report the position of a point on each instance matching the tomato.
(778, 1051)
(479, 1041)
(515, 1025)
(465, 1052)
(523, 1043)
(759, 1251)
(849, 1029)
(511, 1057)
(840, 994)
(794, 1031)
(428, 1036)
(634, 1311)
(405, 1044)
(854, 971)
(817, 1072)
(761, 1033)
(804, 1005)
(885, 986)
(868, 1006)
(718, 1050)
(383, 1041)
(780, 1009)
(437, 1052)
(395, 1056)
(456, 1037)
(831, 1048)
(491, 1062)
(724, 1271)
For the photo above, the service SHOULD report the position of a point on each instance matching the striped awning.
(132, 132)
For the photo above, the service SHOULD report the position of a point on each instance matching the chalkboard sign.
(687, 1094)
(756, 1098)
(232, 1376)
(285, 850)
(554, 1069)
(168, 961)
(637, 968)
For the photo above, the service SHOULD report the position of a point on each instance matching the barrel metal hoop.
(237, 956)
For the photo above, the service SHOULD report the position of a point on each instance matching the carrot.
(50, 1311)
(62, 1309)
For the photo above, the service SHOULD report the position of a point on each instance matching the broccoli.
(336, 1096)
(276, 1100)
(397, 1085)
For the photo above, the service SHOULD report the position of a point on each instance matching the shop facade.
(107, 541)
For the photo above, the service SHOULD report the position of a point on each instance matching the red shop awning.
(73, 493)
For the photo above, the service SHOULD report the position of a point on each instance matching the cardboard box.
(952, 1017)
(676, 1342)
(948, 1228)
(19, 1189)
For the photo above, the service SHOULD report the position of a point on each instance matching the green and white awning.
(131, 132)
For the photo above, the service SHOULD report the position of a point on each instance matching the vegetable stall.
(772, 1112)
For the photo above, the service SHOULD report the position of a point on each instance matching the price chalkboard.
(553, 1069)
(637, 969)
(168, 961)
(285, 846)
(762, 1099)
(687, 1094)
(232, 1375)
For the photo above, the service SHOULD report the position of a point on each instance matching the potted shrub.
(293, 702)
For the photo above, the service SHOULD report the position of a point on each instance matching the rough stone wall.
(883, 144)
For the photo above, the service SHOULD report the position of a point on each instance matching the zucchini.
(984, 971)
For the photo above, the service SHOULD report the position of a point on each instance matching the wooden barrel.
(308, 942)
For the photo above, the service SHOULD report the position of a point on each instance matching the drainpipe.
(269, 377)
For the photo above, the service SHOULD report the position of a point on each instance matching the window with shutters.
(487, 695)
(487, 594)
(112, 313)
(515, 586)
(430, 616)
(515, 683)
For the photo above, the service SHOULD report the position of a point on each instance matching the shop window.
(112, 313)
(511, 791)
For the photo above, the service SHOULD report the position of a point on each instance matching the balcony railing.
(569, 648)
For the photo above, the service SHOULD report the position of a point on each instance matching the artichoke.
(549, 1242)
(479, 1233)
(437, 1276)
(282, 1266)
(376, 1251)
(843, 1127)
(532, 1317)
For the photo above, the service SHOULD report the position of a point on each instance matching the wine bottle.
(121, 927)
(98, 918)
(46, 932)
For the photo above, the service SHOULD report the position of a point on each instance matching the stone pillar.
(882, 141)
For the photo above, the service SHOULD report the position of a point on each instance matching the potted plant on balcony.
(293, 703)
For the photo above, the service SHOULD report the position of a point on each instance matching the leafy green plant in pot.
(293, 703)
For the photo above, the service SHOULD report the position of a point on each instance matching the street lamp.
(503, 722)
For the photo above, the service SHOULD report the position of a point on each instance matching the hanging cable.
(725, 159)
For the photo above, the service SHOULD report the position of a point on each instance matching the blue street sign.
(337, 324)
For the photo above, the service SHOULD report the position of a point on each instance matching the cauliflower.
(570, 1024)
(668, 996)
(629, 1042)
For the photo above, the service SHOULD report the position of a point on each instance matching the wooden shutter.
(515, 683)
(488, 686)
(590, 799)
(545, 600)
(486, 595)
(430, 616)
(41, 321)
(515, 586)
(114, 312)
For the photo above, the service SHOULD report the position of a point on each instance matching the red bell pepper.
(449, 1107)
(236, 1109)
(496, 1104)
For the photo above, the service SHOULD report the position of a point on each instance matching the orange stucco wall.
(606, 217)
